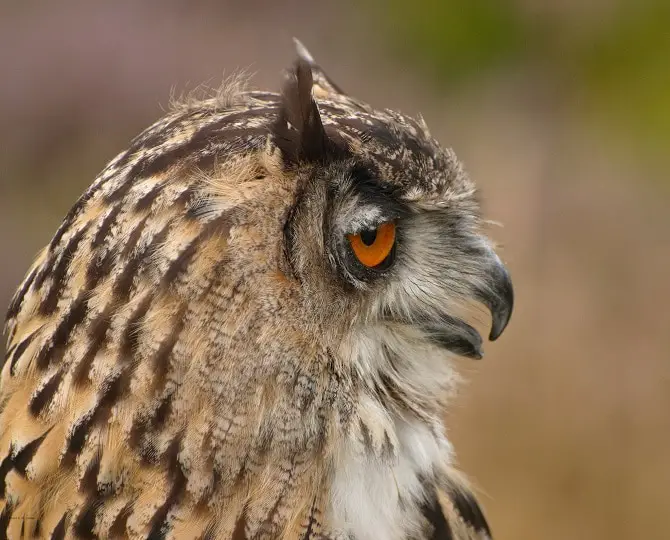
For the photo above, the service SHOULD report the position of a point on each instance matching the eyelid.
(375, 217)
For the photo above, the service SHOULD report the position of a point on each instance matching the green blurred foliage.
(624, 69)
(453, 38)
(610, 60)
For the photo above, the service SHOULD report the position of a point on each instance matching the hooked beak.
(497, 294)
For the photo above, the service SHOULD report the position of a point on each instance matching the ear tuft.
(320, 78)
(299, 131)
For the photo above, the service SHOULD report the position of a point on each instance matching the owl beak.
(497, 294)
(456, 336)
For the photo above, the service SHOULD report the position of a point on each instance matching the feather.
(318, 74)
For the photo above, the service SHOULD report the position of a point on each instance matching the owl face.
(384, 234)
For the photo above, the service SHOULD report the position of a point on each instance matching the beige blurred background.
(560, 111)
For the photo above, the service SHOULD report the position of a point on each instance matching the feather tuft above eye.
(299, 131)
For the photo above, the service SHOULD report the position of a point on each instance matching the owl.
(248, 328)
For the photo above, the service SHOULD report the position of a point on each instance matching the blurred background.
(561, 112)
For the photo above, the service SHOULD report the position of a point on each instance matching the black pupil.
(369, 236)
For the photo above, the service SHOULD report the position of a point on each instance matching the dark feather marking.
(367, 438)
(157, 164)
(161, 359)
(45, 394)
(99, 267)
(59, 531)
(6, 466)
(134, 238)
(97, 332)
(221, 225)
(45, 268)
(89, 480)
(223, 126)
(85, 521)
(17, 301)
(468, 508)
(18, 352)
(399, 398)
(145, 424)
(224, 130)
(156, 135)
(5, 517)
(9, 351)
(130, 334)
(387, 450)
(118, 528)
(109, 392)
(53, 349)
(432, 511)
(194, 209)
(148, 451)
(240, 527)
(392, 392)
(24, 456)
(77, 437)
(123, 284)
(159, 522)
(121, 191)
(71, 215)
(207, 136)
(145, 202)
(207, 158)
(373, 189)
(312, 521)
(162, 412)
(102, 260)
(224, 142)
(59, 272)
(106, 225)
(37, 530)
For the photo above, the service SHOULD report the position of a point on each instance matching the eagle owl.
(246, 329)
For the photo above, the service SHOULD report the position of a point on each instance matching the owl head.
(384, 233)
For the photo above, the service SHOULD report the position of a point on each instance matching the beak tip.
(502, 306)
(498, 328)
(501, 319)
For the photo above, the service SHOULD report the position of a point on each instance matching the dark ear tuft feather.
(320, 77)
(299, 132)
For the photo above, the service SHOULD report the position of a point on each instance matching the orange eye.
(373, 246)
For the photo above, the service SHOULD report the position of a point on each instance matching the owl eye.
(373, 246)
